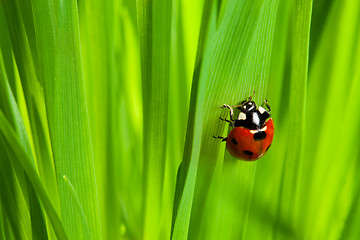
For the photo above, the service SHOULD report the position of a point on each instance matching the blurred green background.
(108, 108)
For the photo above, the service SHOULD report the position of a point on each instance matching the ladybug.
(252, 132)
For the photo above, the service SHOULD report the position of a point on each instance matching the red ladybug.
(253, 131)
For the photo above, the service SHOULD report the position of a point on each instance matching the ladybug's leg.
(223, 139)
(231, 122)
(231, 111)
(226, 120)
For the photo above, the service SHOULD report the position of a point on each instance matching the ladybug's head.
(247, 106)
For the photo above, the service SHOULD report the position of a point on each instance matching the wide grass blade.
(237, 177)
(220, 74)
(332, 175)
(99, 33)
(220, 82)
(266, 191)
(300, 27)
(68, 124)
(154, 19)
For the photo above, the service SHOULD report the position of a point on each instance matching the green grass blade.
(353, 212)
(79, 209)
(332, 178)
(221, 84)
(109, 31)
(185, 164)
(179, 91)
(23, 161)
(5, 45)
(350, 229)
(25, 65)
(14, 207)
(128, 173)
(44, 27)
(266, 191)
(2, 224)
(224, 52)
(154, 19)
(103, 91)
(37, 222)
(69, 127)
(19, 19)
(97, 28)
(236, 180)
(296, 122)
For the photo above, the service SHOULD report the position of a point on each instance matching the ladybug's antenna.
(243, 102)
(267, 105)
(252, 96)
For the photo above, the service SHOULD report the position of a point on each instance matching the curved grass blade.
(9, 106)
(21, 159)
(13, 206)
(19, 20)
(80, 210)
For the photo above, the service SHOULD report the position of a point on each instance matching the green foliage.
(108, 111)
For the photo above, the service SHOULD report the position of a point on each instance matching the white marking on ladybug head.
(262, 110)
(255, 131)
(242, 116)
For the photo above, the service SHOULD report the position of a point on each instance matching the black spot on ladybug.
(234, 141)
(248, 153)
(268, 148)
(260, 136)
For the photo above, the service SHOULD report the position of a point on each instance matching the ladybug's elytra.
(253, 130)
